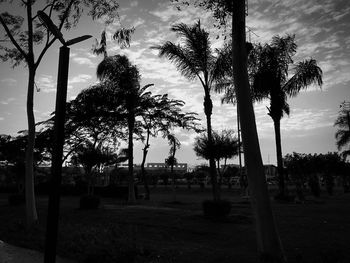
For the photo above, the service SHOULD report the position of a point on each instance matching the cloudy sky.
(322, 32)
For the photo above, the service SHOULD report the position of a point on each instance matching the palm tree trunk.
(268, 241)
(172, 172)
(208, 106)
(281, 184)
(31, 213)
(131, 124)
(143, 171)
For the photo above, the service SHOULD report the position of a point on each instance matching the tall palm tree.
(117, 73)
(195, 59)
(270, 68)
(343, 134)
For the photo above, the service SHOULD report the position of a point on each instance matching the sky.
(321, 31)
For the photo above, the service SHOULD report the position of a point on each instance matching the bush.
(16, 199)
(216, 208)
(89, 202)
(314, 185)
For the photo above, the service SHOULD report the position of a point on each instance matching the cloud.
(7, 101)
(84, 61)
(134, 3)
(9, 81)
(307, 119)
(81, 78)
(2, 118)
(46, 83)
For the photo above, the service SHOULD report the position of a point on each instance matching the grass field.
(163, 231)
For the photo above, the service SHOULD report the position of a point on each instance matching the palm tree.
(270, 68)
(117, 73)
(91, 157)
(171, 161)
(343, 134)
(195, 59)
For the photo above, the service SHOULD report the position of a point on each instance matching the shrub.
(16, 199)
(89, 202)
(314, 185)
(216, 208)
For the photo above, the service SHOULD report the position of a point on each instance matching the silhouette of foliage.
(343, 133)
(269, 66)
(195, 59)
(29, 43)
(225, 146)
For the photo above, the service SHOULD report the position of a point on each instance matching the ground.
(161, 230)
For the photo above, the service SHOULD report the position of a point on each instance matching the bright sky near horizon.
(322, 32)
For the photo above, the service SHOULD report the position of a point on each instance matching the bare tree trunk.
(208, 106)
(31, 213)
(143, 171)
(173, 181)
(281, 182)
(131, 123)
(268, 241)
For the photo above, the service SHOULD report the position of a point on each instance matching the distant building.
(180, 167)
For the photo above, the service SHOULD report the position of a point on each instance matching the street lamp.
(58, 139)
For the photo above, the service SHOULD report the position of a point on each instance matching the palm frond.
(306, 73)
(342, 138)
(180, 57)
(222, 67)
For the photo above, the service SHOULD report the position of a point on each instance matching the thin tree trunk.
(281, 183)
(172, 172)
(268, 241)
(31, 213)
(219, 175)
(143, 171)
(131, 123)
(208, 106)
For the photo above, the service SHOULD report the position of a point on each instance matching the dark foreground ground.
(162, 231)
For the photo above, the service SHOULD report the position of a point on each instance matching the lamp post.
(58, 139)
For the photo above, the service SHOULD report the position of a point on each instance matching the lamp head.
(47, 22)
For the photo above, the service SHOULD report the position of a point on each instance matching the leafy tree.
(270, 64)
(26, 40)
(86, 120)
(117, 74)
(195, 59)
(268, 242)
(225, 146)
(343, 133)
(12, 150)
(171, 161)
(91, 157)
(159, 115)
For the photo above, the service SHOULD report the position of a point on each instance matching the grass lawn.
(162, 231)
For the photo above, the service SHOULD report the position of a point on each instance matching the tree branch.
(47, 46)
(48, 5)
(14, 42)
(65, 15)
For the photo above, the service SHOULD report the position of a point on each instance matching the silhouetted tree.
(27, 40)
(159, 114)
(195, 59)
(91, 157)
(225, 146)
(270, 65)
(268, 242)
(343, 133)
(171, 161)
(117, 74)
